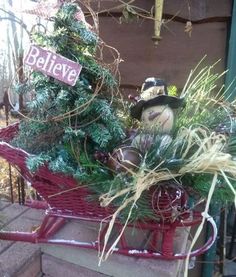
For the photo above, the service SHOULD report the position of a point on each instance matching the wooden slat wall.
(177, 53)
(198, 8)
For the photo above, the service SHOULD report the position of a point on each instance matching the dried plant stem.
(205, 215)
(65, 191)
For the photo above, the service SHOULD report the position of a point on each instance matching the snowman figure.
(155, 109)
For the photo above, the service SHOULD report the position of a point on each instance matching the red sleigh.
(65, 199)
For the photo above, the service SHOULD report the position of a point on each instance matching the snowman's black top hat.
(149, 98)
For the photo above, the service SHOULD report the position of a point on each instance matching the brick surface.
(11, 212)
(32, 268)
(28, 221)
(4, 203)
(24, 259)
(34, 214)
(21, 219)
(116, 265)
(86, 231)
(53, 267)
(17, 258)
(4, 244)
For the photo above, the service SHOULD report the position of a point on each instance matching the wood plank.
(192, 9)
(196, 10)
(173, 58)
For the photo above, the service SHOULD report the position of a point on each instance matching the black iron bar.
(22, 188)
(231, 246)
(19, 190)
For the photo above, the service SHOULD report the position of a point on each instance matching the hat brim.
(161, 100)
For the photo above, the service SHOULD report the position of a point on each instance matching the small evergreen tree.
(65, 124)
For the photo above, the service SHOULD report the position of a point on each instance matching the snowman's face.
(158, 118)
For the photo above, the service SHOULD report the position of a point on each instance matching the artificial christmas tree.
(66, 124)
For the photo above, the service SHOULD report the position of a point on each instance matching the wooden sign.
(53, 65)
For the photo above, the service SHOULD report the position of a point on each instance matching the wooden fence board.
(173, 58)
(191, 9)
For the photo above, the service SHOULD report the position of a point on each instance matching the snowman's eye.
(152, 115)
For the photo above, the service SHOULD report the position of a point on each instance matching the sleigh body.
(63, 198)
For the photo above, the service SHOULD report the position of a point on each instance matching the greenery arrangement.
(75, 129)
(66, 126)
